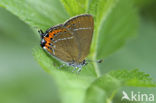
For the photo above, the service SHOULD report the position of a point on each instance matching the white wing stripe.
(81, 29)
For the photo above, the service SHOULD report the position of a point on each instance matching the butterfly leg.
(79, 70)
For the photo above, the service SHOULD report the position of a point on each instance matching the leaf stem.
(94, 49)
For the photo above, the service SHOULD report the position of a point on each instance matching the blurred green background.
(22, 80)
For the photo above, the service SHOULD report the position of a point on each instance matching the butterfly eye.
(43, 42)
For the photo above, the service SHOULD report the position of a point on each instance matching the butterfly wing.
(70, 42)
(62, 44)
(82, 29)
(66, 47)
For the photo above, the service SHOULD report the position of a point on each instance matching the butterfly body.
(69, 42)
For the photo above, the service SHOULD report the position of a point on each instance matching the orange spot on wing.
(48, 49)
(51, 35)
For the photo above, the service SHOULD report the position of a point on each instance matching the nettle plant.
(114, 22)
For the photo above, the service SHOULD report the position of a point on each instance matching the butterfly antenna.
(41, 33)
(97, 61)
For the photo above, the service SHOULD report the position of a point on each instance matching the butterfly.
(70, 42)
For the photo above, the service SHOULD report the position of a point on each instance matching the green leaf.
(75, 7)
(115, 21)
(103, 89)
(115, 27)
(37, 13)
(133, 78)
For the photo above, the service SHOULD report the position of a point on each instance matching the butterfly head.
(41, 33)
(43, 42)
